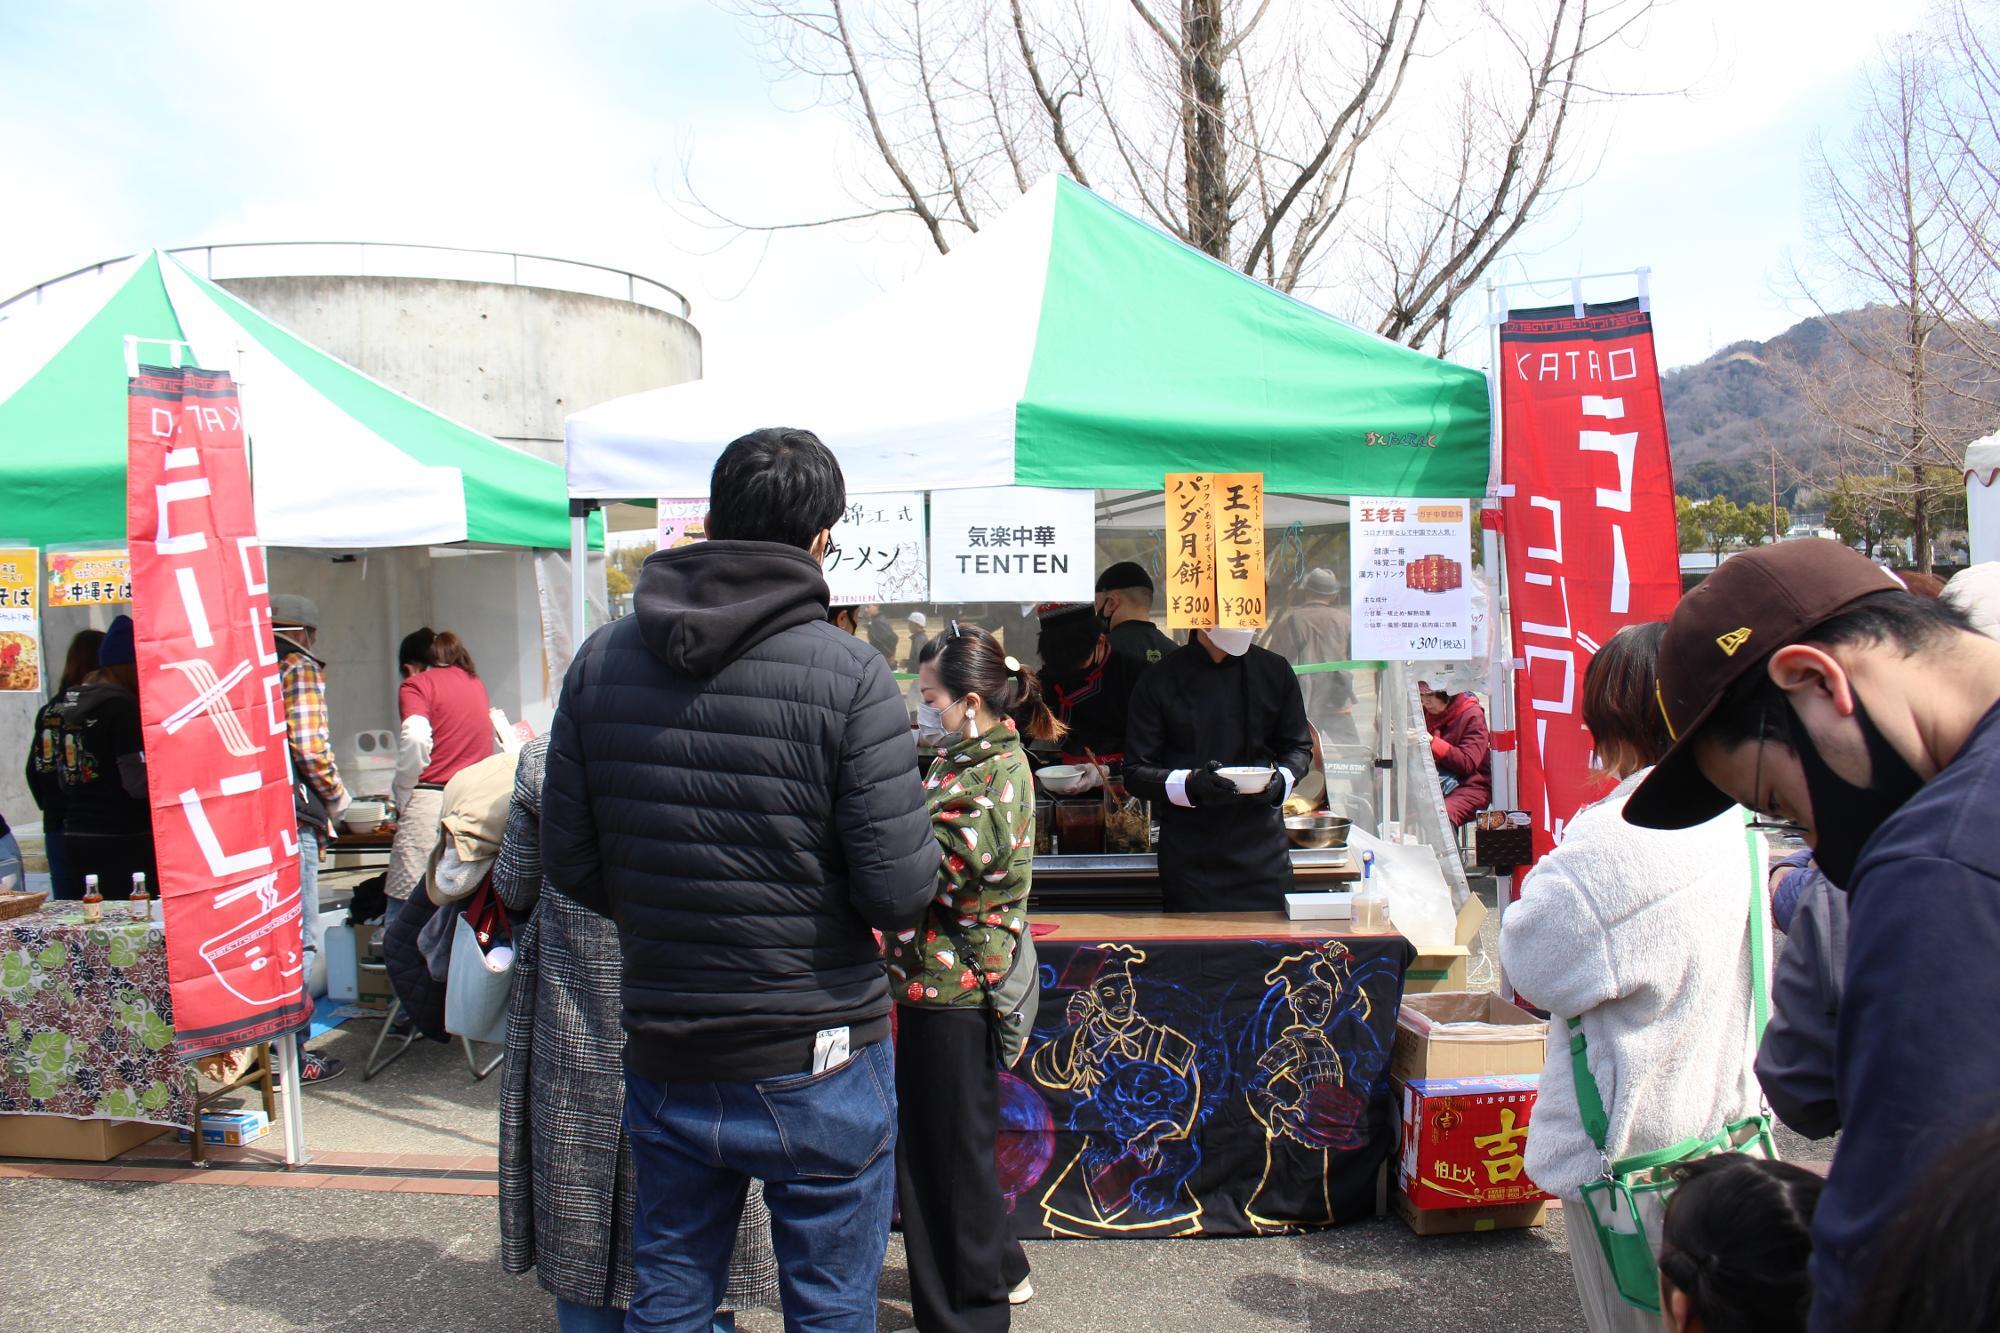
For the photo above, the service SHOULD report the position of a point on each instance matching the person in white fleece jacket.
(1644, 935)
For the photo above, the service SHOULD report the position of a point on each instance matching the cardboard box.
(1458, 1034)
(232, 1129)
(1458, 1221)
(1462, 1142)
(1440, 967)
(72, 1140)
(371, 982)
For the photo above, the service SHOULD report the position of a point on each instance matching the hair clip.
(1013, 666)
(956, 632)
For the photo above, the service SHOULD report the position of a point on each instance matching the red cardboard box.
(1463, 1141)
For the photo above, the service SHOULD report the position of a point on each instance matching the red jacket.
(1460, 746)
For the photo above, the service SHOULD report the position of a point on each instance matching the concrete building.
(506, 344)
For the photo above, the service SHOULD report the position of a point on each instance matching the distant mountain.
(1723, 414)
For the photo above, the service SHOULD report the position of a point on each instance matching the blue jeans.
(574, 1318)
(309, 901)
(824, 1146)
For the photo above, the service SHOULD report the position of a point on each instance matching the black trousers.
(114, 859)
(963, 1257)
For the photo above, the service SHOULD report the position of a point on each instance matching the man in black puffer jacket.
(733, 780)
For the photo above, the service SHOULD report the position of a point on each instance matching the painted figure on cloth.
(1312, 1085)
(1136, 1092)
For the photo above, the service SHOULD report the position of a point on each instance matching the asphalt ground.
(249, 1252)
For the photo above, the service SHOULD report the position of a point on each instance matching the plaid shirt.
(304, 684)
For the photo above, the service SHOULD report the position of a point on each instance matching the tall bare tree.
(1904, 396)
(1275, 135)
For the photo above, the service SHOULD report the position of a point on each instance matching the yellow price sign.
(1190, 563)
(1236, 505)
(90, 578)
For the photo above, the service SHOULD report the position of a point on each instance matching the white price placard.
(1013, 544)
(1412, 562)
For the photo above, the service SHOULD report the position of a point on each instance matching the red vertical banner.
(1589, 525)
(209, 695)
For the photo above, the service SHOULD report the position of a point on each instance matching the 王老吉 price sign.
(1412, 567)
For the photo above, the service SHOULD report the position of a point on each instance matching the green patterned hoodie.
(982, 803)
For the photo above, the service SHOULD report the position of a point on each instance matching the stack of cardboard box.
(1466, 1065)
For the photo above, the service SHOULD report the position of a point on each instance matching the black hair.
(775, 485)
(1621, 702)
(971, 661)
(1736, 1240)
(1937, 1270)
(415, 649)
(1065, 641)
(81, 659)
(1756, 709)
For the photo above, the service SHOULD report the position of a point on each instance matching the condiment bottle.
(1369, 905)
(93, 901)
(139, 909)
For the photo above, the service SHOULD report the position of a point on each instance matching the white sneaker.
(1023, 1293)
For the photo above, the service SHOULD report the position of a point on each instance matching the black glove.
(1205, 786)
(1276, 792)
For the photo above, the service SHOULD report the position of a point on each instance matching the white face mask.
(930, 727)
(1234, 642)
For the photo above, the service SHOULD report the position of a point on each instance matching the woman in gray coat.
(566, 1184)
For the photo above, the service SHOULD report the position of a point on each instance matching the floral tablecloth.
(86, 1026)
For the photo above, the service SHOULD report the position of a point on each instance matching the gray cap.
(1321, 582)
(290, 608)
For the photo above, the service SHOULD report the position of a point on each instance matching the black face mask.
(1846, 816)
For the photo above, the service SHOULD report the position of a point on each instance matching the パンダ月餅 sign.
(876, 553)
(213, 707)
(1214, 558)
(1587, 511)
(1412, 568)
(1013, 544)
(683, 521)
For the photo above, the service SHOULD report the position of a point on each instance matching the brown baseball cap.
(1751, 606)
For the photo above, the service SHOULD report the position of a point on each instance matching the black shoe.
(317, 1067)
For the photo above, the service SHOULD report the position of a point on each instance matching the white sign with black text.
(876, 554)
(1013, 544)
(1412, 563)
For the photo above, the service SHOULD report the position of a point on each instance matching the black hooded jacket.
(734, 782)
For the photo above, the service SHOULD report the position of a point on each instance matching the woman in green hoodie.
(965, 1266)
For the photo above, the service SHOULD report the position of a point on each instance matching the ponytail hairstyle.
(1737, 1237)
(447, 649)
(971, 661)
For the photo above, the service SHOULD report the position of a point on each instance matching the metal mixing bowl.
(1316, 831)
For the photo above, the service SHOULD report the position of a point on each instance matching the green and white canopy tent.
(341, 465)
(1069, 344)
(339, 460)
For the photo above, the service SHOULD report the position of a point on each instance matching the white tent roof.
(1982, 459)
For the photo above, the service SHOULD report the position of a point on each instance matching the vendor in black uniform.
(1219, 702)
(1089, 687)
(1125, 609)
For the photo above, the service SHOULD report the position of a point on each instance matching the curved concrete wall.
(509, 361)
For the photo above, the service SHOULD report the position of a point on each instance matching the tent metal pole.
(393, 617)
(1499, 613)
(579, 562)
(286, 1048)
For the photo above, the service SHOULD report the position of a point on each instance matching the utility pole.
(1774, 494)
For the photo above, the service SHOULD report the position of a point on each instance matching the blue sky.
(564, 130)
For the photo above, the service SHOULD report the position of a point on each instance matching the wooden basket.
(20, 904)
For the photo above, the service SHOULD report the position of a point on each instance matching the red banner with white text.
(1589, 525)
(209, 694)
